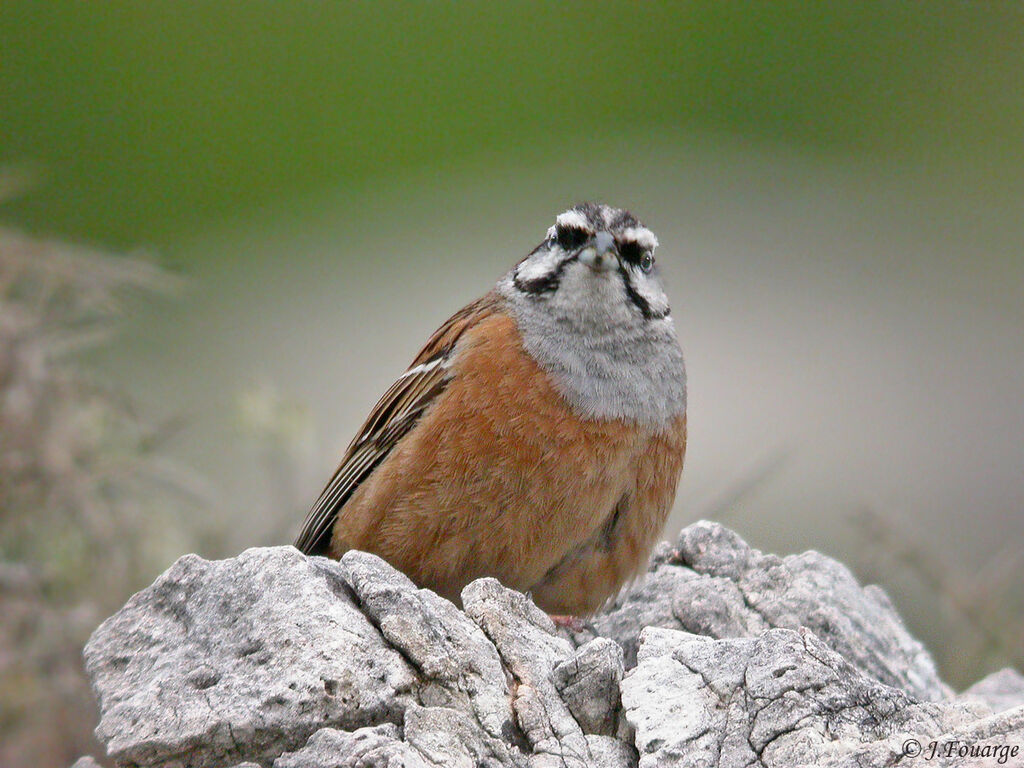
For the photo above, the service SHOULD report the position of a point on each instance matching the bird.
(539, 435)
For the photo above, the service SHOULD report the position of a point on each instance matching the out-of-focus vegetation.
(82, 473)
(837, 187)
(88, 501)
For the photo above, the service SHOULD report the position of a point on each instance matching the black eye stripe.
(638, 300)
(570, 236)
(545, 283)
(631, 251)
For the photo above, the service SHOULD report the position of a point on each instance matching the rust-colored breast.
(501, 478)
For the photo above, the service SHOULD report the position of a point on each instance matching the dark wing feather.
(394, 415)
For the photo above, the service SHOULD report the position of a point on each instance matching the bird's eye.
(630, 251)
(569, 237)
(633, 253)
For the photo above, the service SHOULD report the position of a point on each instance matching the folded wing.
(394, 416)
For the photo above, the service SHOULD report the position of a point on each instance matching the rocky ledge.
(721, 656)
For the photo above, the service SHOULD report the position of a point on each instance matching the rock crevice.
(722, 656)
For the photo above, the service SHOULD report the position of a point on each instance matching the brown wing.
(391, 418)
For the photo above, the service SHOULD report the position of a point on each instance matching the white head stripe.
(642, 236)
(572, 219)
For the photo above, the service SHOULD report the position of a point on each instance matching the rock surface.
(714, 584)
(222, 661)
(1001, 690)
(781, 699)
(722, 656)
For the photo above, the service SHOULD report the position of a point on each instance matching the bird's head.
(595, 265)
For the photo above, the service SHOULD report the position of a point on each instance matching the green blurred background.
(158, 119)
(838, 189)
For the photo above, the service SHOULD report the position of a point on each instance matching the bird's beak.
(600, 255)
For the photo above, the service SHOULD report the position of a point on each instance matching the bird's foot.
(571, 623)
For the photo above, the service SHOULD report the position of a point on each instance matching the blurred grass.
(158, 118)
(88, 498)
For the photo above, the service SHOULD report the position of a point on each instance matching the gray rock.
(588, 683)
(449, 737)
(994, 742)
(1001, 690)
(459, 665)
(779, 700)
(714, 584)
(85, 762)
(734, 658)
(525, 639)
(224, 661)
(379, 747)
